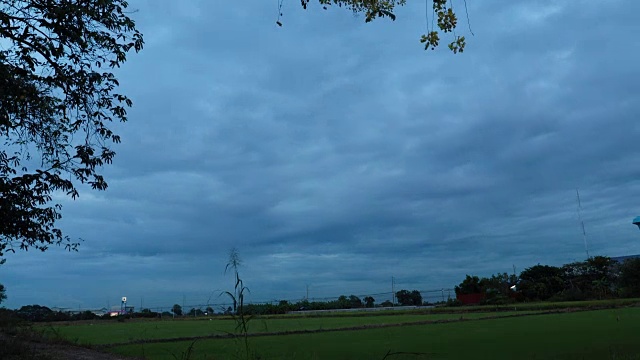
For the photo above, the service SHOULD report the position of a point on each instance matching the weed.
(52, 335)
(185, 355)
(237, 297)
(10, 324)
(14, 348)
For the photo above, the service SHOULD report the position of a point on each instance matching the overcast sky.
(336, 154)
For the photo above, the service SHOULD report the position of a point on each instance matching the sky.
(335, 154)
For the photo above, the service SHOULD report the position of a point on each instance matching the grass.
(17, 342)
(533, 306)
(601, 334)
(100, 333)
(593, 334)
(542, 306)
(15, 349)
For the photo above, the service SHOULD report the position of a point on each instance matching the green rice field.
(591, 334)
(101, 333)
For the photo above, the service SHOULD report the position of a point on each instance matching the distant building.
(100, 312)
(116, 310)
(60, 309)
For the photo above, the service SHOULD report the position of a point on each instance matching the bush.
(147, 315)
(38, 313)
(14, 348)
(9, 321)
(85, 315)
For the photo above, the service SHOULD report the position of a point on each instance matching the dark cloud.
(337, 154)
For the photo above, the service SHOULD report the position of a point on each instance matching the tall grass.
(237, 297)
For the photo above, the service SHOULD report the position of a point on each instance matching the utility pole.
(584, 233)
(307, 292)
(393, 291)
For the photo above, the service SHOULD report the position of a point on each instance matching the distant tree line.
(403, 298)
(596, 278)
(38, 313)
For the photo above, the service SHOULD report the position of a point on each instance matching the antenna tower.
(584, 232)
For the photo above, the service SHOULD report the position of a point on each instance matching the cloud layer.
(337, 154)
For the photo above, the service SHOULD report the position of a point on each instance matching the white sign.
(124, 299)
